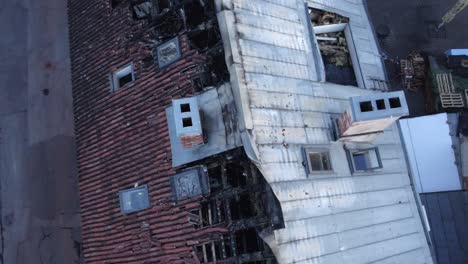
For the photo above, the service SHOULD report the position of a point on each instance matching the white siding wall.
(337, 218)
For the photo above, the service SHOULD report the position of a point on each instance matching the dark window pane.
(228, 247)
(360, 161)
(315, 161)
(326, 161)
(320, 161)
(125, 79)
(209, 252)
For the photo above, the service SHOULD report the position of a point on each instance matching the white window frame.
(119, 73)
(350, 155)
(317, 149)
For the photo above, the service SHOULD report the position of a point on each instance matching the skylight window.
(122, 77)
(134, 200)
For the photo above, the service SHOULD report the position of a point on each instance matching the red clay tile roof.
(123, 139)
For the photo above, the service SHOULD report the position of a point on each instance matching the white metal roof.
(332, 218)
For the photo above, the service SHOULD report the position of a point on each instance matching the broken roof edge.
(233, 58)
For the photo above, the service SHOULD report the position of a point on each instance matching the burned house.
(238, 131)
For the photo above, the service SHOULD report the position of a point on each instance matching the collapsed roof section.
(234, 198)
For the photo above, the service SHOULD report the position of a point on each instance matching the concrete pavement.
(39, 203)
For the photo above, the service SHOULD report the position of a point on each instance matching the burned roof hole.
(380, 104)
(195, 13)
(334, 48)
(185, 108)
(187, 122)
(236, 176)
(211, 213)
(242, 208)
(45, 92)
(216, 181)
(205, 38)
(218, 67)
(214, 251)
(366, 106)
(247, 242)
(163, 4)
(394, 102)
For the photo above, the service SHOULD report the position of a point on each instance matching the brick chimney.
(370, 115)
(188, 122)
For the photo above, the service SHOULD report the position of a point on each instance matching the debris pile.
(413, 71)
(321, 17)
(333, 46)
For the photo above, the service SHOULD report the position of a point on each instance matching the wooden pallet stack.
(413, 72)
(449, 98)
